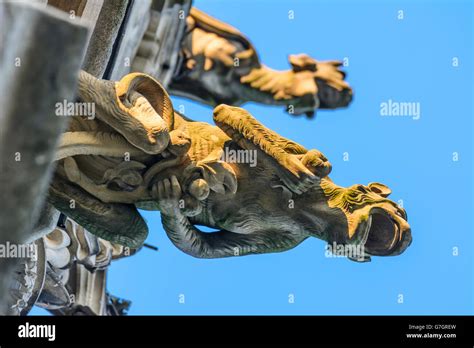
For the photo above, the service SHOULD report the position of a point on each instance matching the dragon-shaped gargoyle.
(261, 192)
(220, 65)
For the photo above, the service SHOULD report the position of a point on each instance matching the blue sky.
(403, 60)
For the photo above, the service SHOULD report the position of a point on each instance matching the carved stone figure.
(220, 65)
(138, 152)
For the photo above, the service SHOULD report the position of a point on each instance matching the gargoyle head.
(319, 84)
(358, 216)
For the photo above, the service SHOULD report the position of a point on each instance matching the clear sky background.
(404, 60)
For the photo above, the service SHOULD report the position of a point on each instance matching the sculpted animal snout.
(371, 220)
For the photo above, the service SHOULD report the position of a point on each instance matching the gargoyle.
(138, 152)
(219, 65)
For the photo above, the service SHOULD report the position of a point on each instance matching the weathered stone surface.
(103, 38)
(158, 52)
(134, 27)
(47, 220)
(37, 72)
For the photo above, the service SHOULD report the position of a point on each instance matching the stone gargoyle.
(220, 65)
(262, 193)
